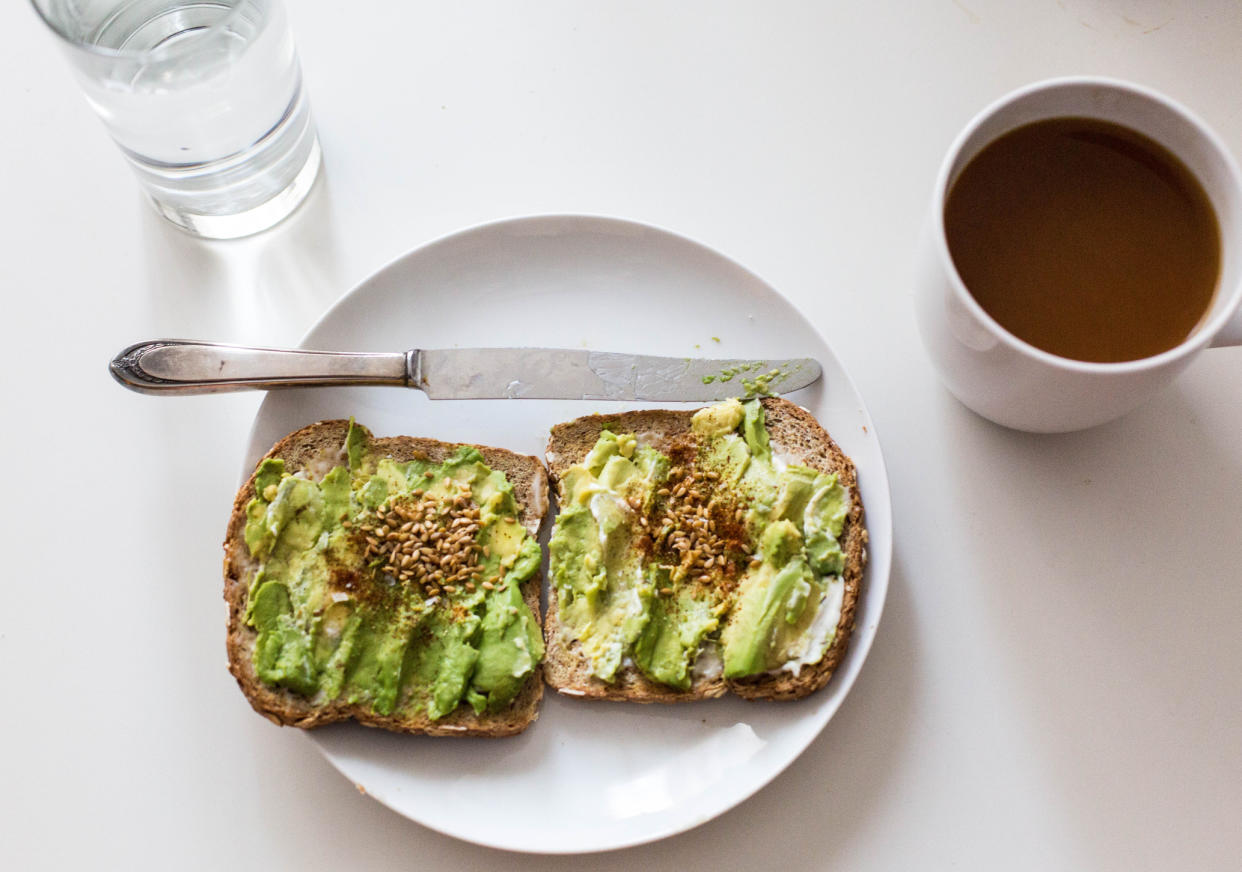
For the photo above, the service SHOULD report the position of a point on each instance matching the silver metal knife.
(174, 366)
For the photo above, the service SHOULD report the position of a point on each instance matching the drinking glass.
(205, 100)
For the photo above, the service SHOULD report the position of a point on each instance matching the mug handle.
(1230, 333)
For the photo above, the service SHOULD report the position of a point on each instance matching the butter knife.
(174, 366)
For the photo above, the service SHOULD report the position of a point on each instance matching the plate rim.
(862, 639)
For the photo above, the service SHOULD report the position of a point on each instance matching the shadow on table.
(1108, 563)
(263, 289)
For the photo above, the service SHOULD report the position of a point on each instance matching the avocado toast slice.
(391, 581)
(697, 553)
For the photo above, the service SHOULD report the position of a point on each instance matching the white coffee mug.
(1012, 382)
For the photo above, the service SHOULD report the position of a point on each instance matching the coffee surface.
(1085, 239)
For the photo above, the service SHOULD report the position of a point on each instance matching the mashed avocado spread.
(717, 556)
(392, 585)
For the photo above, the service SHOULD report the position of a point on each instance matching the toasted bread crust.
(794, 432)
(312, 448)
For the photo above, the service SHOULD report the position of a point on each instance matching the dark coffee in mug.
(1086, 239)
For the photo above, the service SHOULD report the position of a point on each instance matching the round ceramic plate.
(587, 776)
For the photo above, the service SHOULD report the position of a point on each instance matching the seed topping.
(698, 528)
(417, 538)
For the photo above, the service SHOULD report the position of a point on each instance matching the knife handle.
(176, 366)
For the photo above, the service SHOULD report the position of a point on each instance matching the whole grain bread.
(315, 449)
(794, 433)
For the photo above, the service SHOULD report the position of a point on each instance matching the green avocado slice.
(332, 623)
(627, 540)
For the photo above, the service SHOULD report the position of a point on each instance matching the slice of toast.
(314, 450)
(795, 435)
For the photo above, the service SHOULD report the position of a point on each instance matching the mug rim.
(1206, 331)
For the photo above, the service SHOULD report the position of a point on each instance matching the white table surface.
(1055, 683)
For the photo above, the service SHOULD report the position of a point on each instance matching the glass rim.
(146, 53)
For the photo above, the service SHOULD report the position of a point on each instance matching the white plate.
(587, 776)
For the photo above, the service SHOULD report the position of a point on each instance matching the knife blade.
(193, 367)
(557, 373)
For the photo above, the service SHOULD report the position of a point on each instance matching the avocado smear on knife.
(718, 546)
(338, 615)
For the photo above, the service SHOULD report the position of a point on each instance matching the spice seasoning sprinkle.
(698, 526)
